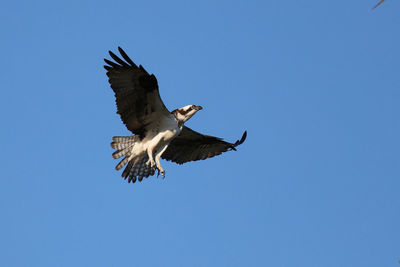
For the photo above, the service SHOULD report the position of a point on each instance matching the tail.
(123, 146)
(136, 168)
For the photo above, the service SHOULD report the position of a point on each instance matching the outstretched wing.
(136, 92)
(190, 145)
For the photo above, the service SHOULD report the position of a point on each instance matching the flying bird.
(380, 2)
(157, 132)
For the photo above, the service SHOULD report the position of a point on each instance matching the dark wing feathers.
(136, 92)
(117, 59)
(125, 56)
(239, 142)
(190, 145)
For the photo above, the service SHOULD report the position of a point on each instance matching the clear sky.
(315, 83)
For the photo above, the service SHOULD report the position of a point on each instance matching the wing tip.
(239, 142)
(119, 62)
(244, 136)
(126, 57)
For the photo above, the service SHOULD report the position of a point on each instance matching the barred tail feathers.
(123, 146)
(122, 142)
(122, 163)
(136, 168)
(124, 139)
(124, 151)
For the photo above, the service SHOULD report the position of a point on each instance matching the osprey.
(158, 133)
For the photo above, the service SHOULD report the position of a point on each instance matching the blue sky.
(315, 83)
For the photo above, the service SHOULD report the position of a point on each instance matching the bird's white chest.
(168, 132)
(163, 133)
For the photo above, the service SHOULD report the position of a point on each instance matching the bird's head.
(185, 113)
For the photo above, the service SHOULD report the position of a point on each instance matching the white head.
(185, 113)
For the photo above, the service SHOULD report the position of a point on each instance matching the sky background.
(315, 83)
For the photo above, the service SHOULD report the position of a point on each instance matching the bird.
(157, 132)
(380, 2)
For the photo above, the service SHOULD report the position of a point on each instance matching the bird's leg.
(158, 164)
(151, 163)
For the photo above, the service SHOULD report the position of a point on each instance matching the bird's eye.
(190, 109)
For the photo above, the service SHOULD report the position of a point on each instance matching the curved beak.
(198, 108)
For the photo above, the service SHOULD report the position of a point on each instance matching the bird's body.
(380, 2)
(152, 145)
(157, 132)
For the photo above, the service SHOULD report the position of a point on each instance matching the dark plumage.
(190, 145)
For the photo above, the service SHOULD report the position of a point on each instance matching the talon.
(150, 163)
(163, 173)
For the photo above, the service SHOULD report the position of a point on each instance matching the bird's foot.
(151, 163)
(162, 171)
